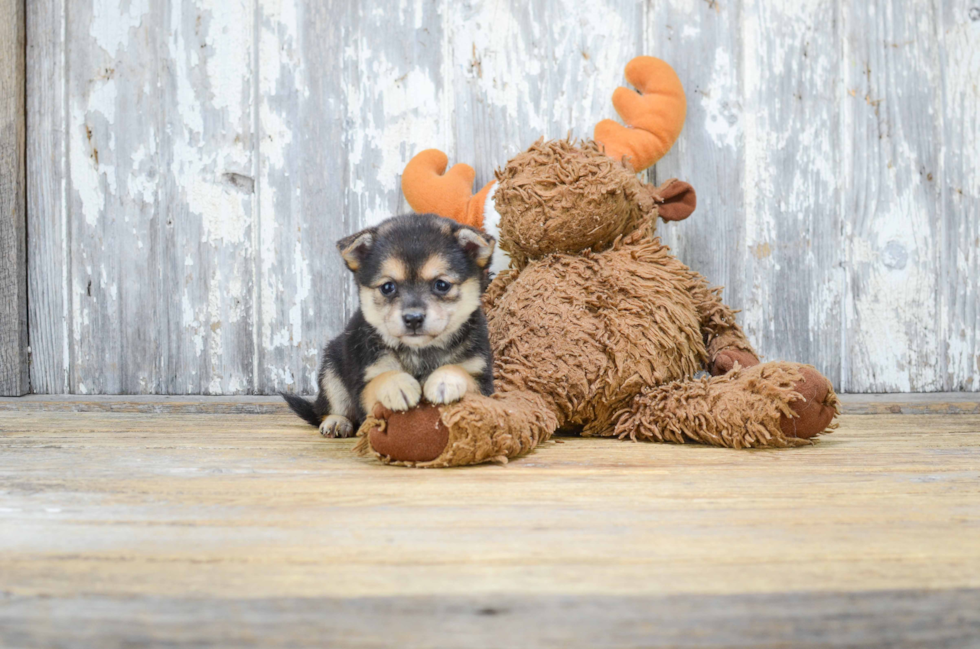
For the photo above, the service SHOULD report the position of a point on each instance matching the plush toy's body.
(596, 327)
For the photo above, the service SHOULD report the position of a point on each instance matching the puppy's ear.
(478, 245)
(355, 248)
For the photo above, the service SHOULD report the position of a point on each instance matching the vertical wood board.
(13, 227)
(49, 245)
(891, 175)
(959, 33)
(790, 282)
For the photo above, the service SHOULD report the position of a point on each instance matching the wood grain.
(14, 377)
(790, 286)
(157, 519)
(891, 173)
(923, 618)
(48, 235)
(303, 295)
(959, 30)
(160, 209)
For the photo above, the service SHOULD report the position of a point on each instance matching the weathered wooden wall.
(191, 163)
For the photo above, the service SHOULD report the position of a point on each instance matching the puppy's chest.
(423, 362)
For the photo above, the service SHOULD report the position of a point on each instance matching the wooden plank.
(890, 169)
(525, 70)
(303, 294)
(49, 246)
(148, 404)
(788, 278)
(114, 513)
(161, 201)
(931, 403)
(960, 55)
(923, 403)
(701, 41)
(912, 618)
(13, 186)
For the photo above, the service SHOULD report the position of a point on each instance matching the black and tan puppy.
(419, 330)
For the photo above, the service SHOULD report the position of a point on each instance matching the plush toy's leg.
(477, 429)
(772, 404)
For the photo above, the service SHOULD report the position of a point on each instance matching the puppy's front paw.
(336, 426)
(399, 392)
(447, 385)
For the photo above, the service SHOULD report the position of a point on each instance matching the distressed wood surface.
(48, 236)
(160, 519)
(892, 114)
(959, 51)
(303, 171)
(921, 618)
(191, 164)
(14, 374)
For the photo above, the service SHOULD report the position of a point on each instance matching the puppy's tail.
(302, 407)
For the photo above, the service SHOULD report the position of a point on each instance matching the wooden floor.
(127, 529)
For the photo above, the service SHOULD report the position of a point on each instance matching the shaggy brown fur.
(481, 429)
(586, 200)
(598, 329)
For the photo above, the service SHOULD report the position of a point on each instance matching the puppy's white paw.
(336, 426)
(399, 392)
(446, 385)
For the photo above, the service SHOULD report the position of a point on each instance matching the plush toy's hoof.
(725, 361)
(816, 413)
(416, 435)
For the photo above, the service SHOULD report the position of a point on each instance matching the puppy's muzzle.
(413, 320)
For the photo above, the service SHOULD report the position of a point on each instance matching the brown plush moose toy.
(596, 327)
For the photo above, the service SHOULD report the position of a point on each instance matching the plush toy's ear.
(478, 245)
(676, 200)
(355, 248)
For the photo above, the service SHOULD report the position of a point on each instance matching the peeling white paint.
(111, 23)
(86, 179)
(720, 102)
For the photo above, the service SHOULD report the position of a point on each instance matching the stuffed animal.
(596, 328)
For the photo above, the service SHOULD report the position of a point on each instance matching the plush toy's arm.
(724, 340)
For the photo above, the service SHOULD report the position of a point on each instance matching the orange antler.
(654, 118)
(428, 189)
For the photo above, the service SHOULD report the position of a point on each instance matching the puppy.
(419, 330)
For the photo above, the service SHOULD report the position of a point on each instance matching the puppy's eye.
(388, 288)
(441, 287)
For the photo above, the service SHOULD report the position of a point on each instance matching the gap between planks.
(930, 403)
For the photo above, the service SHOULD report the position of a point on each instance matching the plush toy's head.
(559, 196)
(563, 196)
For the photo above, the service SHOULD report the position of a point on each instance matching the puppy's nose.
(413, 319)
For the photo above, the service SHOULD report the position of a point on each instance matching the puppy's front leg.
(448, 384)
(395, 390)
